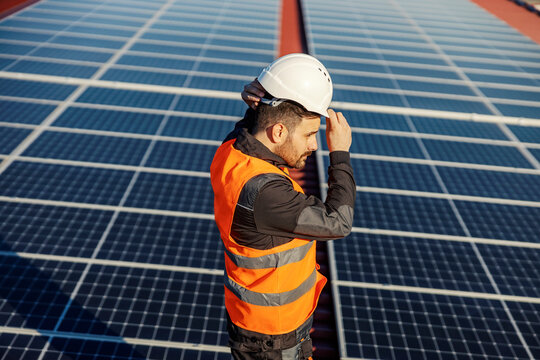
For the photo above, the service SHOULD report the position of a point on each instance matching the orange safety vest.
(271, 291)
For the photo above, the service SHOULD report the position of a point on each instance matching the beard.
(287, 153)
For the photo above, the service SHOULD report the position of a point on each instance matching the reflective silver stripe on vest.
(271, 299)
(271, 260)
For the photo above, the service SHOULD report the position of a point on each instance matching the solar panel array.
(443, 262)
(108, 244)
(112, 111)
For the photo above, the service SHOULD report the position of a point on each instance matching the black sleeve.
(279, 210)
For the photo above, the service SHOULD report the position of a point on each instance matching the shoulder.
(261, 183)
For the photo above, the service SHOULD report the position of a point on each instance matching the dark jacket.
(270, 212)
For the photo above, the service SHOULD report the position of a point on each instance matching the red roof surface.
(525, 21)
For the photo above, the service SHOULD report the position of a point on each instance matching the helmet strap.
(272, 102)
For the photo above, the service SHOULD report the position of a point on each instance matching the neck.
(263, 138)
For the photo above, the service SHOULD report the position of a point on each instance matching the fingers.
(252, 94)
(254, 88)
(338, 132)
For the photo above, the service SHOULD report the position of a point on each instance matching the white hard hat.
(300, 78)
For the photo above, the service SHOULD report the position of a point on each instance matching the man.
(267, 224)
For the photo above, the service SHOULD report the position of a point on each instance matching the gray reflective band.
(271, 260)
(271, 299)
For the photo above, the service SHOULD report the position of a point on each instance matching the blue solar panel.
(64, 183)
(349, 79)
(23, 347)
(514, 269)
(417, 262)
(182, 156)
(34, 291)
(129, 98)
(72, 54)
(527, 318)
(511, 94)
(133, 238)
(501, 79)
(406, 213)
(166, 49)
(13, 34)
(384, 145)
(82, 348)
(10, 138)
(158, 62)
(393, 175)
(197, 128)
(37, 90)
(150, 269)
(25, 24)
(15, 49)
(457, 128)
(526, 133)
(171, 192)
(243, 55)
(145, 77)
(435, 87)
(51, 230)
(375, 120)
(5, 63)
(87, 41)
(203, 105)
(447, 104)
(46, 15)
(518, 110)
(344, 65)
(82, 147)
(214, 83)
(119, 121)
(394, 325)
(445, 74)
(237, 69)
(494, 221)
(367, 97)
(476, 153)
(493, 184)
(149, 304)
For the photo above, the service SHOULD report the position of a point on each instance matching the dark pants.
(251, 345)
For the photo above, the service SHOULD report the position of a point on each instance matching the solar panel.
(111, 114)
(109, 247)
(446, 206)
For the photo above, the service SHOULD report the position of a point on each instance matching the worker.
(268, 226)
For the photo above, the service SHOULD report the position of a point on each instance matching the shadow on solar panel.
(34, 297)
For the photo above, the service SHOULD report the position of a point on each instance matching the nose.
(312, 146)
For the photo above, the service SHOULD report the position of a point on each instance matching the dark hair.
(289, 113)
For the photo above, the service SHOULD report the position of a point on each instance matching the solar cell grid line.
(106, 207)
(474, 247)
(59, 33)
(134, 179)
(476, 251)
(78, 92)
(321, 181)
(462, 74)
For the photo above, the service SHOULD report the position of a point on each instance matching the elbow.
(346, 218)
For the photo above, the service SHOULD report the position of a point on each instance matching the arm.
(279, 210)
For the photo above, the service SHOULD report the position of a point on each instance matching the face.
(300, 143)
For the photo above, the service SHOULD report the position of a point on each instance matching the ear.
(277, 133)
